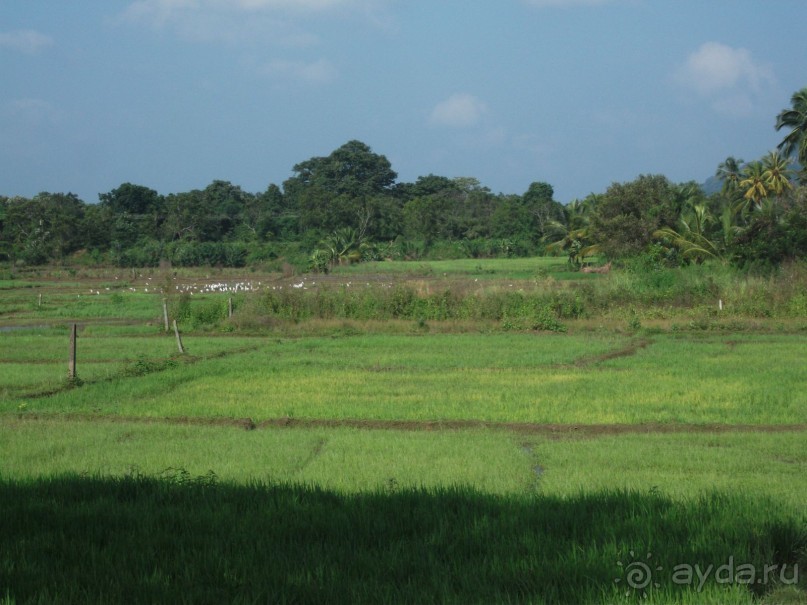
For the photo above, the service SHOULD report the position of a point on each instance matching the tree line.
(349, 207)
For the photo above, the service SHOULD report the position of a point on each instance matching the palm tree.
(796, 120)
(698, 239)
(691, 239)
(729, 229)
(777, 172)
(572, 235)
(754, 184)
(730, 174)
(343, 246)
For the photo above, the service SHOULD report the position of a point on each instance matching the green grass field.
(334, 459)
(545, 378)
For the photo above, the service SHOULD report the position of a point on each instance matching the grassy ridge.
(73, 539)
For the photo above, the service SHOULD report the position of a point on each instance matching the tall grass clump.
(638, 286)
(403, 301)
(640, 289)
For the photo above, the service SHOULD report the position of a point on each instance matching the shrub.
(545, 320)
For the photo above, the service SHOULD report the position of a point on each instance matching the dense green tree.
(5, 243)
(276, 218)
(224, 204)
(264, 216)
(466, 207)
(430, 184)
(539, 201)
(46, 227)
(431, 207)
(131, 199)
(185, 216)
(96, 227)
(64, 213)
(131, 213)
(383, 219)
(512, 219)
(427, 218)
(472, 209)
(628, 214)
(208, 215)
(338, 190)
(776, 232)
(21, 221)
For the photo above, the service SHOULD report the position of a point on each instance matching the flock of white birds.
(152, 286)
(149, 286)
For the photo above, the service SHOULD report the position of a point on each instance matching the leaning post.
(71, 364)
(179, 339)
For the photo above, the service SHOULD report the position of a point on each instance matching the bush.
(208, 312)
(544, 319)
(146, 253)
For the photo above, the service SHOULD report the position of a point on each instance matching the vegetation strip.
(587, 430)
(630, 349)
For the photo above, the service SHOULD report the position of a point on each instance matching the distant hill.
(712, 185)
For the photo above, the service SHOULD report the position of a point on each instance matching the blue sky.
(173, 94)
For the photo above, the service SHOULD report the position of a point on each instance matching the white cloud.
(565, 3)
(248, 24)
(25, 41)
(736, 105)
(715, 67)
(162, 12)
(321, 71)
(728, 77)
(459, 110)
(159, 12)
(297, 5)
(32, 111)
(251, 23)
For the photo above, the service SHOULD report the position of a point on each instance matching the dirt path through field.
(549, 430)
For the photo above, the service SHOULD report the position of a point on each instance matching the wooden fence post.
(71, 364)
(179, 340)
(165, 314)
(229, 307)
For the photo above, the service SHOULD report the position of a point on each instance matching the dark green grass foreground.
(73, 539)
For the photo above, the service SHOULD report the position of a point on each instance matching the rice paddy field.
(474, 431)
